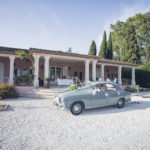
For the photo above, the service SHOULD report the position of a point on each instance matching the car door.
(111, 93)
(99, 98)
(88, 96)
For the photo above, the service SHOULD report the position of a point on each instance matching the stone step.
(50, 91)
(42, 93)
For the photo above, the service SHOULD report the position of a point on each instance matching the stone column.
(133, 76)
(36, 70)
(87, 70)
(103, 71)
(120, 75)
(46, 67)
(11, 70)
(94, 69)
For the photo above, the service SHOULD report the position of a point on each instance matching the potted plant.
(47, 82)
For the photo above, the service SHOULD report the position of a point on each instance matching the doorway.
(1, 72)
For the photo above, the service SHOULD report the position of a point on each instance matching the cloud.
(126, 12)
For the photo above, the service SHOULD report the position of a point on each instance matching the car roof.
(102, 82)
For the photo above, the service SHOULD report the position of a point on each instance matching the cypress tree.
(103, 47)
(92, 50)
(109, 48)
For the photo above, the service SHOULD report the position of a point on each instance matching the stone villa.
(59, 66)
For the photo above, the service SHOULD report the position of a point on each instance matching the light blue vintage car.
(99, 94)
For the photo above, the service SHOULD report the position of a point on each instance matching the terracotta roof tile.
(61, 53)
(10, 50)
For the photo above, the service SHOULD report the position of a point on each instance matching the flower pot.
(47, 84)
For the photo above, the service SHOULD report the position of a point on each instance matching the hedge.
(142, 77)
(8, 91)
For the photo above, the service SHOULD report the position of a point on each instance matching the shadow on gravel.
(10, 108)
(32, 107)
(22, 99)
(130, 106)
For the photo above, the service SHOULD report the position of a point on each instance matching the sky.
(60, 24)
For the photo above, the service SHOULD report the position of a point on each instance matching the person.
(115, 80)
(101, 79)
(101, 87)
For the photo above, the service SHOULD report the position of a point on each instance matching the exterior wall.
(71, 68)
(111, 71)
(21, 64)
(6, 62)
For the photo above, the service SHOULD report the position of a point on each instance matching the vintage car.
(99, 94)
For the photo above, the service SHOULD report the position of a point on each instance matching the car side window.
(99, 88)
(110, 87)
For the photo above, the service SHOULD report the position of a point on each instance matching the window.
(110, 87)
(25, 72)
(55, 72)
(99, 87)
(52, 73)
(58, 72)
(112, 76)
(18, 72)
(81, 76)
(75, 74)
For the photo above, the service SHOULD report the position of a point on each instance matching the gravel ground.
(31, 124)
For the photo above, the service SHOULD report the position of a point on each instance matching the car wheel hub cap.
(77, 108)
(120, 102)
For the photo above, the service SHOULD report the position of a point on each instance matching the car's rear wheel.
(120, 103)
(76, 108)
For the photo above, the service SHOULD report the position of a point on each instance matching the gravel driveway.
(31, 124)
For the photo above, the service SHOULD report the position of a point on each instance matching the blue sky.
(59, 24)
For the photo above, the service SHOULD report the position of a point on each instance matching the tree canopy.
(92, 50)
(25, 56)
(103, 47)
(109, 54)
(131, 39)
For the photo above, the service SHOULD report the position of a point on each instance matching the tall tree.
(130, 53)
(103, 47)
(109, 48)
(141, 23)
(92, 50)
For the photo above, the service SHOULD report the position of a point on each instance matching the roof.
(9, 50)
(53, 52)
(98, 58)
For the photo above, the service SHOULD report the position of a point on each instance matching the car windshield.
(97, 87)
(110, 87)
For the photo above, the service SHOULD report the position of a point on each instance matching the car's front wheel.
(120, 103)
(76, 108)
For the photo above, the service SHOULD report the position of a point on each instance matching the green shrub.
(125, 81)
(91, 79)
(24, 78)
(147, 89)
(47, 79)
(72, 87)
(142, 78)
(8, 91)
(133, 88)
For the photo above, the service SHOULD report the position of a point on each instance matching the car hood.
(72, 93)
